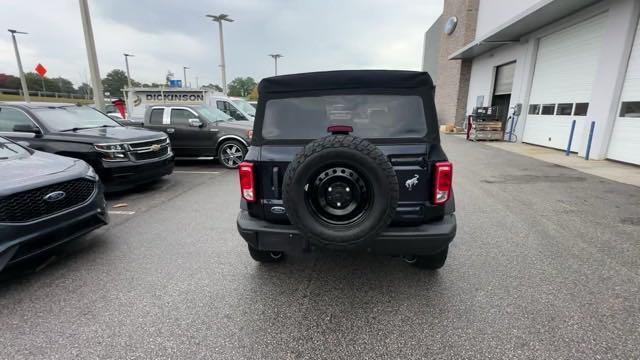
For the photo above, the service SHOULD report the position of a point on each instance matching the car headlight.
(91, 173)
(112, 152)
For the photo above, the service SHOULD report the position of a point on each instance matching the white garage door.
(565, 69)
(625, 139)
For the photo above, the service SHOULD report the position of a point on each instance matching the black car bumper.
(118, 176)
(19, 241)
(402, 240)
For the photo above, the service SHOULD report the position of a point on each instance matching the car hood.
(109, 134)
(36, 170)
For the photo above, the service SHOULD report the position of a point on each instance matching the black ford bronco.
(347, 160)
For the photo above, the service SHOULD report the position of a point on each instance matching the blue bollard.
(573, 127)
(593, 125)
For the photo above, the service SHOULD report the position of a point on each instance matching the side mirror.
(27, 128)
(195, 123)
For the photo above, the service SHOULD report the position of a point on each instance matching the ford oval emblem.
(54, 196)
(278, 210)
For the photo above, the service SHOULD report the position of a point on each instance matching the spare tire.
(340, 191)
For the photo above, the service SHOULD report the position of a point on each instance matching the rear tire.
(231, 153)
(265, 256)
(429, 262)
(365, 178)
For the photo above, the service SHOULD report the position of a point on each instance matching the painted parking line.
(117, 212)
(195, 172)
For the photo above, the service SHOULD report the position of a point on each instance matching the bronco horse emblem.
(412, 182)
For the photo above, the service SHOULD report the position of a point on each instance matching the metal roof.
(541, 14)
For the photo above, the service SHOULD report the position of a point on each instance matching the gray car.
(45, 200)
(201, 132)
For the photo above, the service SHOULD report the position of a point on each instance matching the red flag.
(41, 70)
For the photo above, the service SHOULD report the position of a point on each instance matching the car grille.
(146, 144)
(30, 205)
(148, 155)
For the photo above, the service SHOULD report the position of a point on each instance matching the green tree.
(241, 86)
(9, 81)
(63, 85)
(254, 94)
(114, 82)
(214, 87)
(85, 90)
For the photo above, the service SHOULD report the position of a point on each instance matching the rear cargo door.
(414, 183)
(396, 123)
(270, 172)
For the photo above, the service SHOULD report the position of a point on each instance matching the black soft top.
(345, 79)
(344, 82)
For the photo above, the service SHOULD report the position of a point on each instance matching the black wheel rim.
(231, 155)
(338, 195)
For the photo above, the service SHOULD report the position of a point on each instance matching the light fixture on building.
(450, 26)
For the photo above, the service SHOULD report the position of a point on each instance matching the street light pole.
(23, 80)
(184, 70)
(275, 58)
(126, 63)
(96, 82)
(219, 19)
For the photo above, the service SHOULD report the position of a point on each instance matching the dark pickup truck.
(122, 156)
(201, 132)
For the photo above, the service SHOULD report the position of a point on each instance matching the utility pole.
(197, 86)
(219, 19)
(275, 59)
(127, 103)
(184, 72)
(23, 80)
(126, 63)
(96, 82)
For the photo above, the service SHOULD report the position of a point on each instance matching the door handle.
(171, 130)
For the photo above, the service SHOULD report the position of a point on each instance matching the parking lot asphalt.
(546, 264)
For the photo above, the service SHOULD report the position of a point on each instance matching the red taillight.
(247, 187)
(442, 177)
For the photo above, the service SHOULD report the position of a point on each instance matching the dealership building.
(559, 64)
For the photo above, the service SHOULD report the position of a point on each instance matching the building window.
(548, 109)
(534, 109)
(564, 109)
(630, 109)
(581, 109)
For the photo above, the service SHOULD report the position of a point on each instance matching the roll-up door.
(624, 144)
(566, 66)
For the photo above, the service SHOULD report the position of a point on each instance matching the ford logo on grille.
(54, 196)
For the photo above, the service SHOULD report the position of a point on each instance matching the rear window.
(371, 116)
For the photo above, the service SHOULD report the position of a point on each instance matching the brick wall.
(453, 75)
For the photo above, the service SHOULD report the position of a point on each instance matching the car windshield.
(371, 116)
(244, 106)
(10, 150)
(72, 118)
(212, 114)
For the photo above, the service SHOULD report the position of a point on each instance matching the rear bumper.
(23, 240)
(123, 175)
(414, 240)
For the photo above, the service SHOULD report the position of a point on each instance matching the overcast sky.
(167, 35)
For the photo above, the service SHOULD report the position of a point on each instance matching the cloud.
(167, 35)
